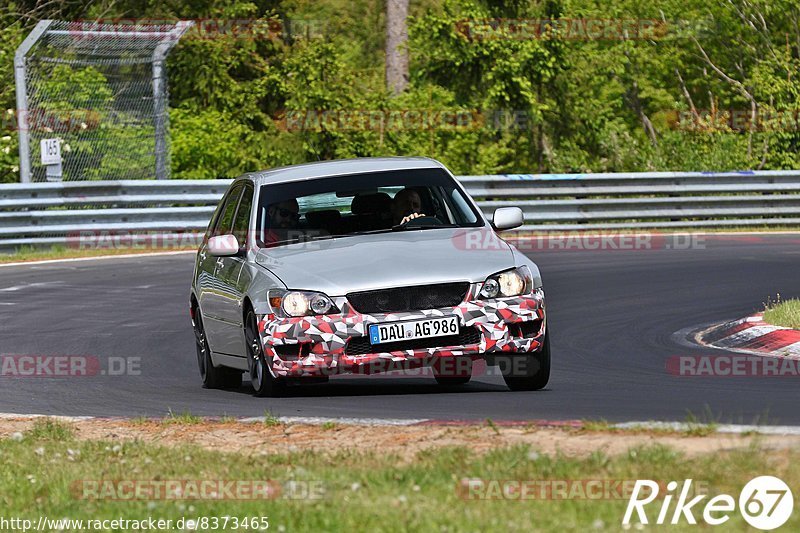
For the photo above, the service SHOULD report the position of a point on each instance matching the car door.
(234, 277)
(211, 289)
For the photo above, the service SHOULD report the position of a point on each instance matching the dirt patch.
(404, 441)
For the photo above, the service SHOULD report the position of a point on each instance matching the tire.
(448, 378)
(264, 383)
(213, 377)
(535, 370)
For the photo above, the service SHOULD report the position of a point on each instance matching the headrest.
(323, 217)
(378, 202)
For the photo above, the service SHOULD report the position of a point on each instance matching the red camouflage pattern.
(328, 335)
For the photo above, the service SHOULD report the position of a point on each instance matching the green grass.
(271, 420)
(50, 429)
(694, 426)
(782, 313)
(182, 418)
(379, 491)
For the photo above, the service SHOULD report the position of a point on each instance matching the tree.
(396, 48)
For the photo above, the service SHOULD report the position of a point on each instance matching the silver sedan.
(363, 266)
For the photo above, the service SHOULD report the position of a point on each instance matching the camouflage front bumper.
(322, 340)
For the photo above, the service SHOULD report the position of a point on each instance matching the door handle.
(202, 256)
(220, 263)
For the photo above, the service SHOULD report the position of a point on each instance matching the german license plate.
(413, 329)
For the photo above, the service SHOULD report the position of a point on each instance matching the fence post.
(22, 99)
(160, 97)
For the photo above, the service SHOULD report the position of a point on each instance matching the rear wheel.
(528, 371)
(264, 383)
(457, 371)
(213, 377)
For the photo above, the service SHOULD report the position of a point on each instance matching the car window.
(242, 222)
(355, 204)
(225, 221)
(463, 206)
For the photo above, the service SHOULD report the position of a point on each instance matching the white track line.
(95, 258)
(311, 420)
(7, 416)
(315, 420)
(721, 428)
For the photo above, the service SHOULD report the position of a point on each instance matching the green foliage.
(66, 89)
(674, 93)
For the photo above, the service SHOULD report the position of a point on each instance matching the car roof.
(340, 167)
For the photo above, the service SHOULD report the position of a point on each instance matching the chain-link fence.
(101, 90)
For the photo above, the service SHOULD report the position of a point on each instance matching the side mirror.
(223, 246)
(507, 218)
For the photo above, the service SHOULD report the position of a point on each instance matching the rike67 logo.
(765, 502)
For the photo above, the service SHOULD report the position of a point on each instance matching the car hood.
(347, 264)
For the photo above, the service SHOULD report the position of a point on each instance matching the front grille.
(409, 298)
(361, 345)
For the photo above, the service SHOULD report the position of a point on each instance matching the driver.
(406, 206)
(283, 217)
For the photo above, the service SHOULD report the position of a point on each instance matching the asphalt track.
(613, 319)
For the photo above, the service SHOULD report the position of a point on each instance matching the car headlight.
(301, 303)
(512, 282)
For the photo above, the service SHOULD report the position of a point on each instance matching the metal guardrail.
(56, 213)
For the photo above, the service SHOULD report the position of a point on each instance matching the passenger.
(406, 206)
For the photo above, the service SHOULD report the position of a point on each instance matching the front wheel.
(528, 371)
(213, 377)
(264, 383)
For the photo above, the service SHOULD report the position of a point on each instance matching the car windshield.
(358, 204)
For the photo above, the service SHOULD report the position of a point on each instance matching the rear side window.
(242, 222)
(225, 221)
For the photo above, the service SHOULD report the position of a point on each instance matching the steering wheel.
(425, 220)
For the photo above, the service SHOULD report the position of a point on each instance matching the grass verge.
(61, 252)
(783, 313)
(46, 471)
